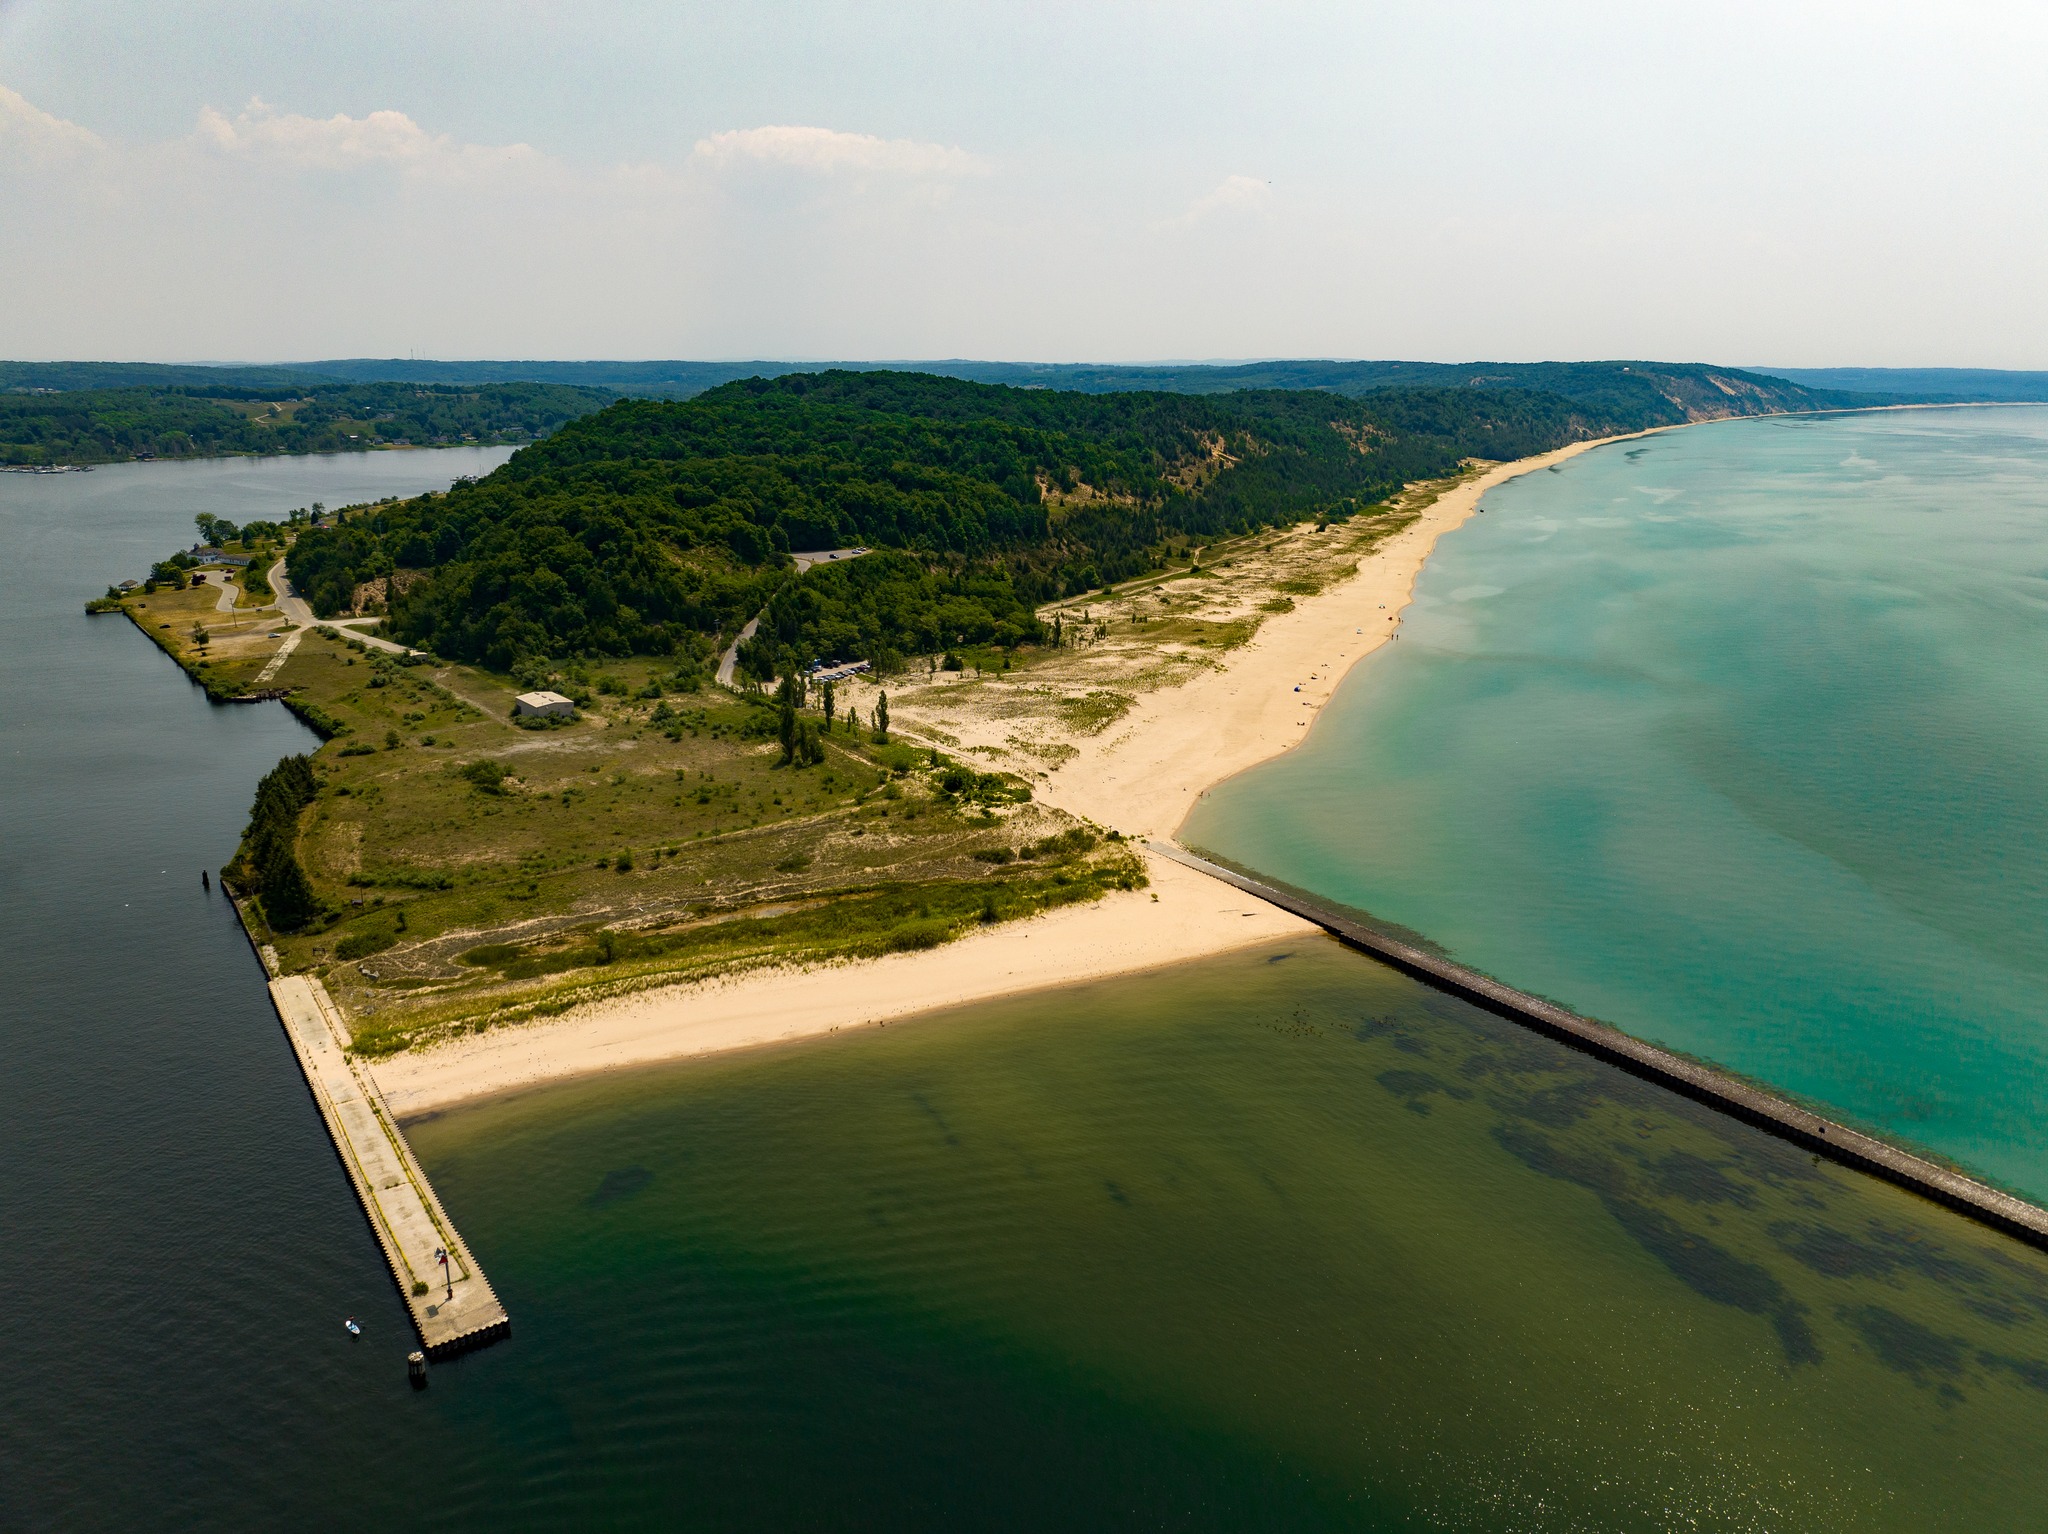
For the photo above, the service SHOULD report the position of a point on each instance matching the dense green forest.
(649, 525)
(194, 420)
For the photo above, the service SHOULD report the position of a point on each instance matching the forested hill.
(185, 420)
(654, 526)
(1670, 391)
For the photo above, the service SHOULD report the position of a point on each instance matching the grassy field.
(473, 870)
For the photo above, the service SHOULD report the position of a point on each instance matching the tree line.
(199, 421)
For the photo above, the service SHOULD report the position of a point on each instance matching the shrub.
(487, 775)
(916, 935)
(360, 945)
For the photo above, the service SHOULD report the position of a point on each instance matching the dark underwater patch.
(1416, 1086)
(2030, 1372)
(1903, 1345)
(1599, 1174)
(1403, 1038)
(1702, 1265)
(1831, 1253)
(1557, 1107)
(924, 1106)
(1926, 1256)
(1695, 1179)
(623, 1183)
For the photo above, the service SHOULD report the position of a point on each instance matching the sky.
(1792, 183)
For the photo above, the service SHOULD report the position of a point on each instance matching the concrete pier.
(1692, 1078)
(452, 1307)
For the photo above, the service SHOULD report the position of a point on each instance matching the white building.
(545, 705)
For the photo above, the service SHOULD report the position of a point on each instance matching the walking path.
(453, 1308)
(276, 663)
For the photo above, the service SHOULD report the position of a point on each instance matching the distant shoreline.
(1142, 777)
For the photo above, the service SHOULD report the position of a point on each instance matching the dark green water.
(1738, 739)
(1276, 1241)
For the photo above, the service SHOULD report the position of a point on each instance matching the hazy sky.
(1791, 183)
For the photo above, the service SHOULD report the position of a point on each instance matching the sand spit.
(1140, 776)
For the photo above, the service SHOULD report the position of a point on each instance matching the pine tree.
(269, 856)
(882, 719)
(788, 694)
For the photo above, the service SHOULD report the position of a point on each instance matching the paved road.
(803, 562)
(226, 604)
(731, 657)
(297, 609)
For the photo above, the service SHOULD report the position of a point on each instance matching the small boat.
(353, 1329)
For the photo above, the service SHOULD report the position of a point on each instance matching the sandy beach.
(1140, 777)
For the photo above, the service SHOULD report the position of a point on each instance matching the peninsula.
(994, 638)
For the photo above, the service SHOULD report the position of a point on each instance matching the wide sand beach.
(1140, 777)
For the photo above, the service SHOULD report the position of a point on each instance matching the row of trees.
(803, 740)
(267, 862)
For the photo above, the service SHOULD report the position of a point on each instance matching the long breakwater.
(1755, 1105)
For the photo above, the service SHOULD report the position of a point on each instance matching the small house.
(542, 705)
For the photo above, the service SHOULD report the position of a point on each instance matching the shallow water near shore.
(1736, 738)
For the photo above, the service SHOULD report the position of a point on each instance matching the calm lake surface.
(1736, 738)
(1279, 1240)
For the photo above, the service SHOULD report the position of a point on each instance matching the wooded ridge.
(653, 526)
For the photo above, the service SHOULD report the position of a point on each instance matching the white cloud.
(825, 151)
(26, 129)
(385, 138)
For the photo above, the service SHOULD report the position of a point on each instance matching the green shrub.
(916, 935)
(486, 775)
(360, 945)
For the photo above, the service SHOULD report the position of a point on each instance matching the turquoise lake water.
(1736, 737)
